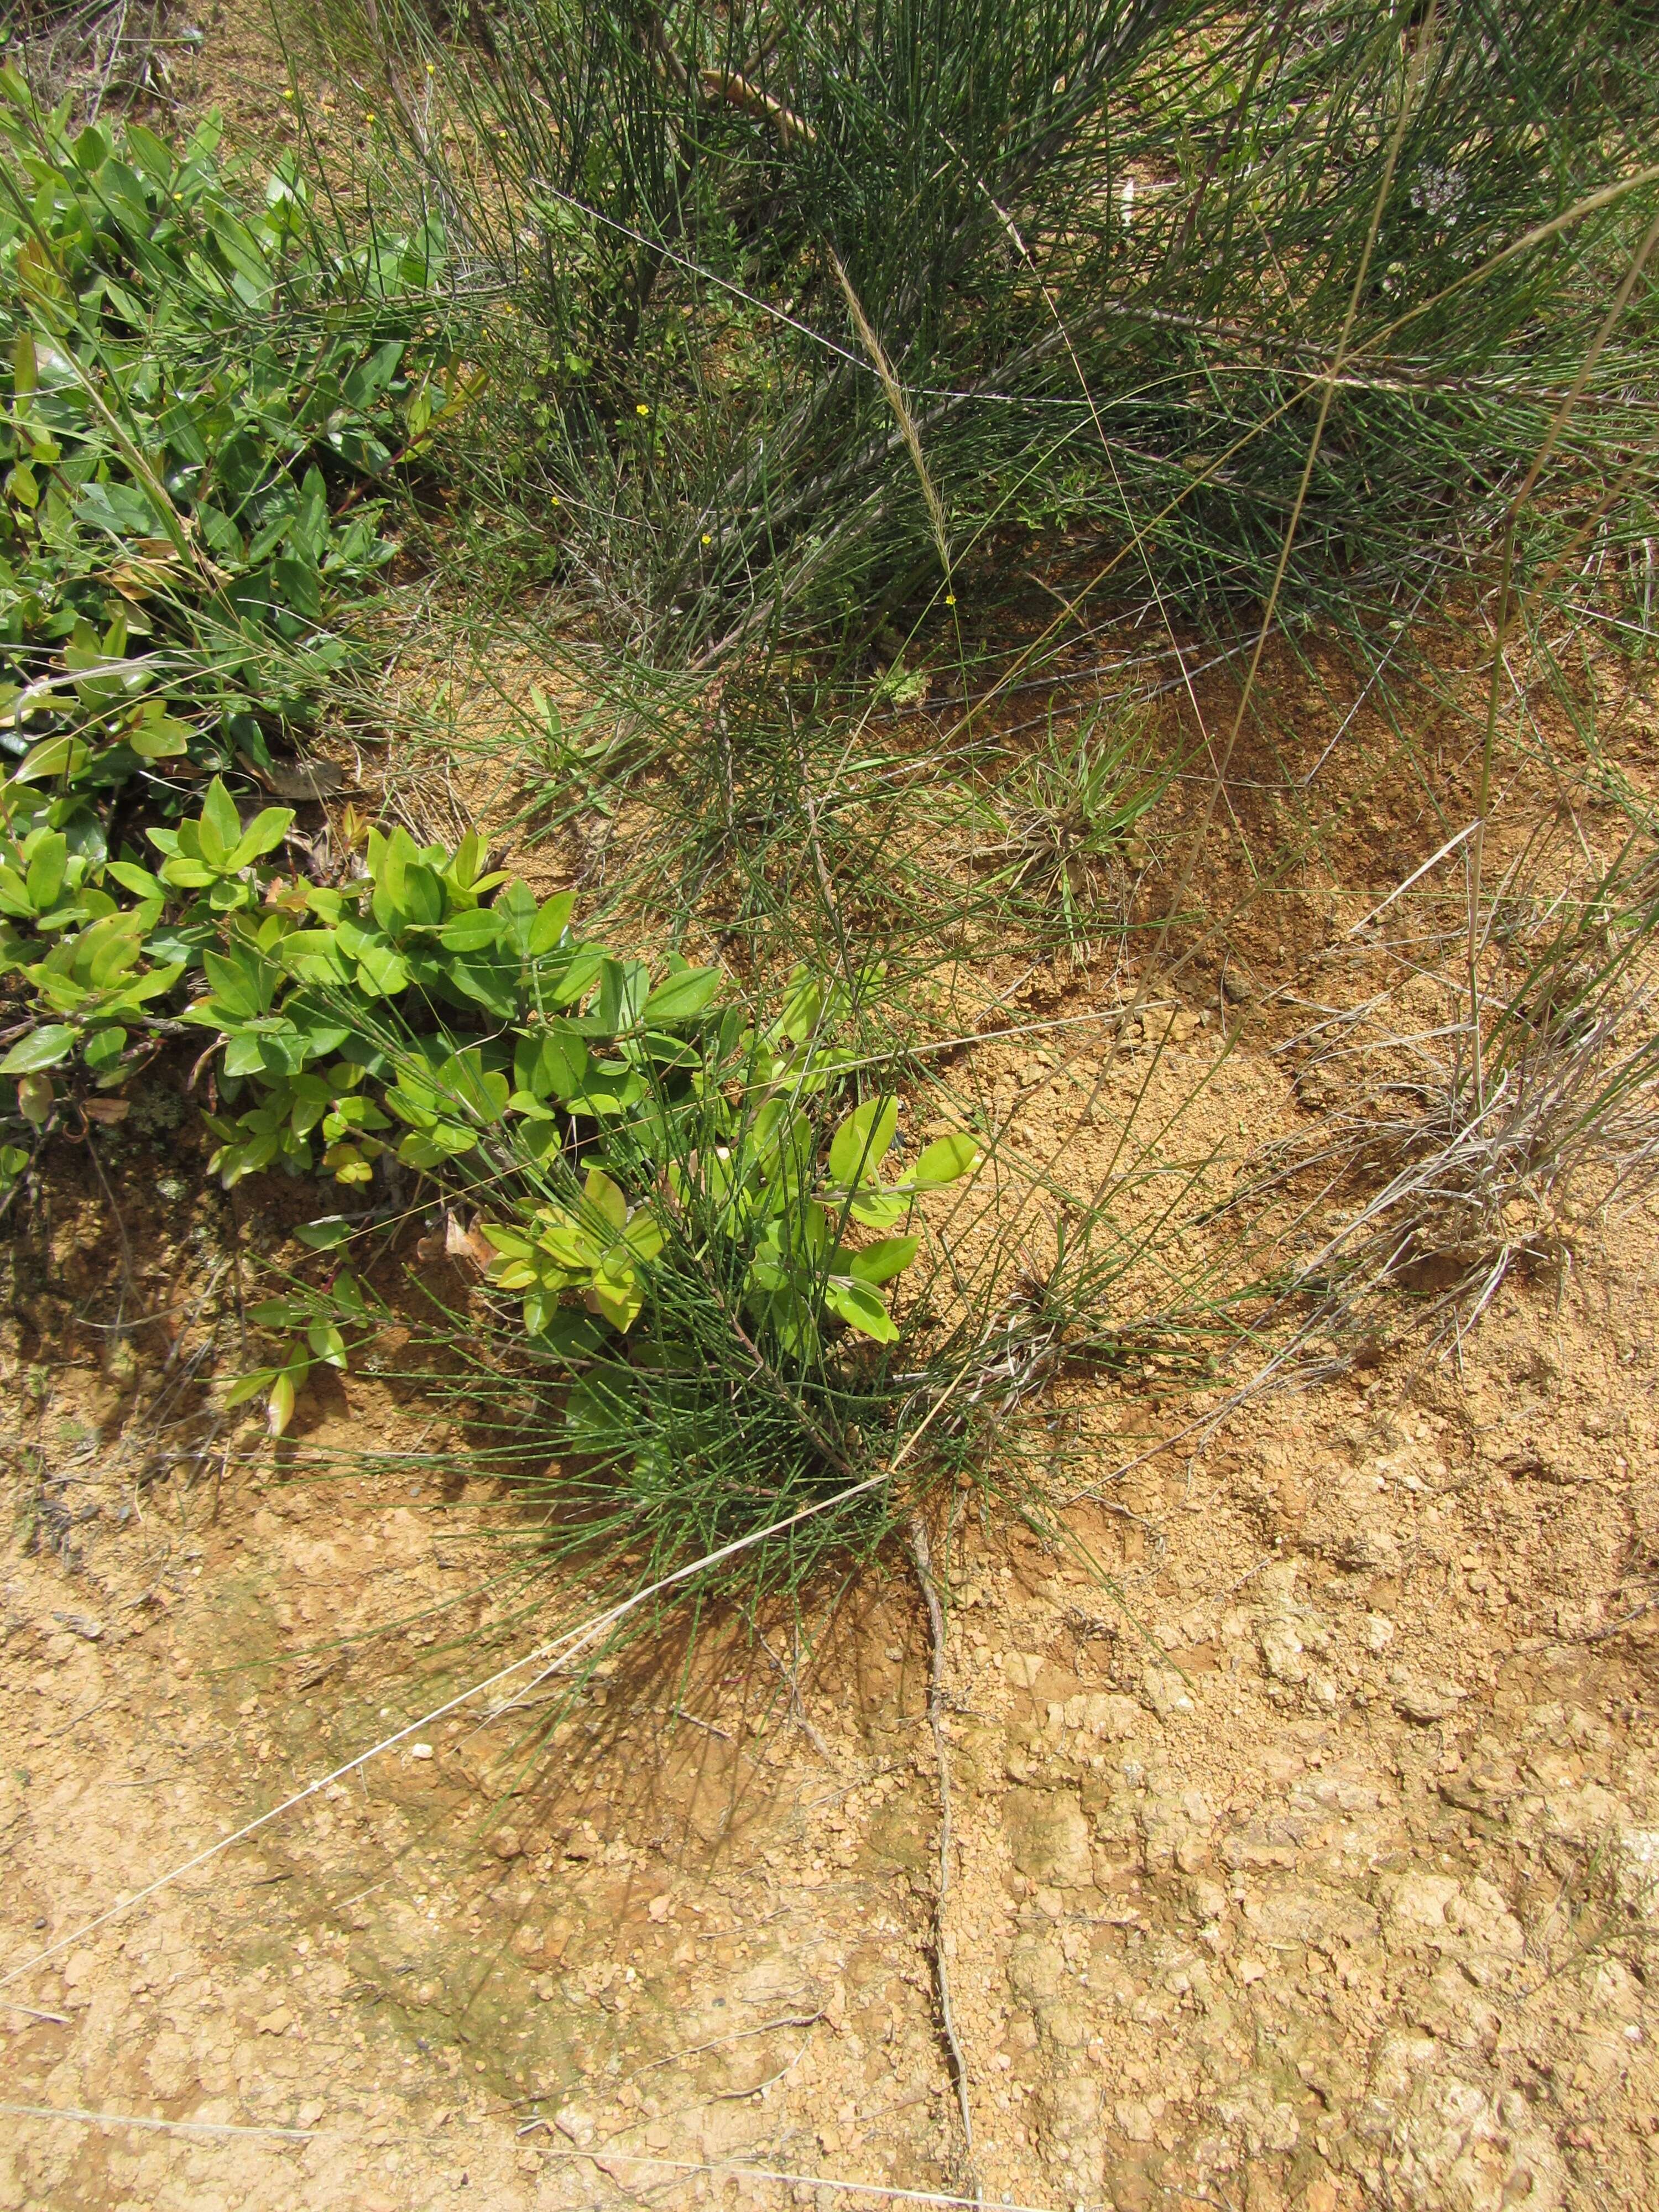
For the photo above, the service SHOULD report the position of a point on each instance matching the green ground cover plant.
(207, 403)
(166, 484)
(205, 397)
(432, 1015)
(204, 400)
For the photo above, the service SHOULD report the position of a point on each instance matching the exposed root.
(922, 1559)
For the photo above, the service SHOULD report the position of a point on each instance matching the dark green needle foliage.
(1106, 252)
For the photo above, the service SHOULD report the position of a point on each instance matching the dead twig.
(738, 92)
(720, 2042)
(921, 1559)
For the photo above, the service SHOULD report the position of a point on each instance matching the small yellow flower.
(288, 92)
(641, 409)
(706, 539)
(369, 118)
(950, 599)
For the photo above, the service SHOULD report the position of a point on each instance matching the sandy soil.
(1310, 1858)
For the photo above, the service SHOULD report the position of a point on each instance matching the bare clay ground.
(1315, 1864)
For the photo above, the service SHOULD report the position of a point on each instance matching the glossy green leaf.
(880, 1262)
(160, 736)
(382, 972)
(857, 1304)
(861, 1143)
(515, 911)
(677, 998)
(945, 1160)
(553, 1064)
(263, 835)
(624, 985)
(48, 865)
(605, 1199)
(220, 826)
(620, 1304)
(470, 932)
(279, 1411)
(875, 1210)
(552, 919)
(46, 1046)
(53, 757)
(327, 1343)
(325, 1235)
(422, 897)
(248, 1386)
(104, 1048)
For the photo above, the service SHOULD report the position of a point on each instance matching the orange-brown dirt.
(1311, 1858)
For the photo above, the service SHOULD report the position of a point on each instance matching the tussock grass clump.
(731, 240)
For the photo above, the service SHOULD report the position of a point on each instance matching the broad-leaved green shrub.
(431, 1013)
(199, 393)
